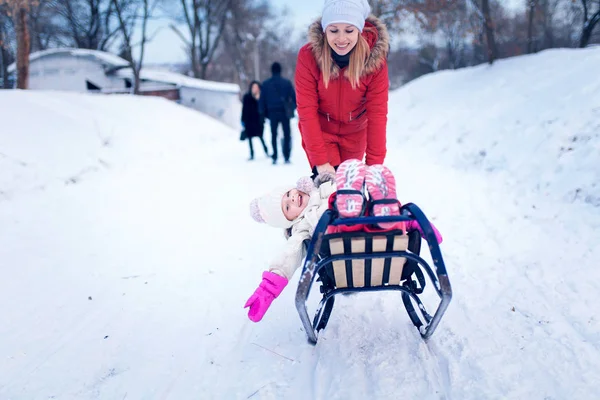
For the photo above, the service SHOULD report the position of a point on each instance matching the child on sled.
(298, 210)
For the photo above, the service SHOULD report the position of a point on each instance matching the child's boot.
(381, 186)
(349, 179)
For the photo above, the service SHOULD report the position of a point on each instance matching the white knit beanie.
(267, 208)
(353, 12)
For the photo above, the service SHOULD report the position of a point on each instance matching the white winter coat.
(288, 261)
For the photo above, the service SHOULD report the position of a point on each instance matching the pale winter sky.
(166, 47)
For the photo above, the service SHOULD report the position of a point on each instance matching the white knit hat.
(353, 12)
(267, 208)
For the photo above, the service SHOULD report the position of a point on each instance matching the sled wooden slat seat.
(361, 272)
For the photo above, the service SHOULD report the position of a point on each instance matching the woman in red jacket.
(342, 87)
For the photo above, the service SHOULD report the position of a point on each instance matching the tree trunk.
(138, 67)
(451, 57)
(23, 45)
(530, 27)
(127, 38)
(136, 80)
(4, 59)
(489, 31)
(203, 68)
(588, 27)
(195, 62)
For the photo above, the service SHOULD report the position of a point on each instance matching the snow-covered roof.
(105, 58)
(179, 80)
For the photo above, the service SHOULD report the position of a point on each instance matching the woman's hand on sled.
(325, 168)
(324, 177)
(269, 289)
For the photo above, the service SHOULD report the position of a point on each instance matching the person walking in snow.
(342, 86)
(252, 120)
(297, 211)
(277, 103)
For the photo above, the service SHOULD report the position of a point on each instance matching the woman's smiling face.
(293, 203)
(342, 37)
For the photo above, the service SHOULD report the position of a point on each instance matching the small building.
(83, 70)
(217, 99)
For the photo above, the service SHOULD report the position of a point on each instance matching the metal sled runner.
(372, 261)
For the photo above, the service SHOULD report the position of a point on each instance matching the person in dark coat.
(252, 120)
(277, 103)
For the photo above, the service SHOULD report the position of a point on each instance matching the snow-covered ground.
(127, 251)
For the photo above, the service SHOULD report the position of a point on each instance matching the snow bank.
(534, 119)
(57, 137)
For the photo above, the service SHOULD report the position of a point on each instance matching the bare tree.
(454, 28)
(545, 12)
(591, 17)
(547, 22)
(19, 11)
(84, 21)
(43, 26)
(388, 11)
(482, 9)
(129, 15)
(531, 6)
(278, 44)
(87, 24)
(503, 33)
(425, 12)
(256, 35)
(7, 55)
(254, 55)
(244, 31)
(205, 21)
(23, 44)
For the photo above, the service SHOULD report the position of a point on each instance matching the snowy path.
(124, 266)
(165, 318)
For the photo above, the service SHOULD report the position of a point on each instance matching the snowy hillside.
(534, 119)
(127, 251)
(59, 138)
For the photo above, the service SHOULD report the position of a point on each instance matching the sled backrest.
(363, 271)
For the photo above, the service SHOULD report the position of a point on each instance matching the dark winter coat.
(253, 121)
(274, 92)
(339, 122)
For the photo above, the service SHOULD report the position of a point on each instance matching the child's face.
(293, 203)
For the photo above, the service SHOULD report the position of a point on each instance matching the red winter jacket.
(339, 122)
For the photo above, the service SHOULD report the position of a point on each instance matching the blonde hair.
(356, 66)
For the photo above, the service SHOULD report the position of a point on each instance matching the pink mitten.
(268, 290)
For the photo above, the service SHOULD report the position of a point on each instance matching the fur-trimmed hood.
(376, 34)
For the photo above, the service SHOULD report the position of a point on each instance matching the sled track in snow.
(377, 353)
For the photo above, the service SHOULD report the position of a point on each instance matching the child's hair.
(267, 208)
